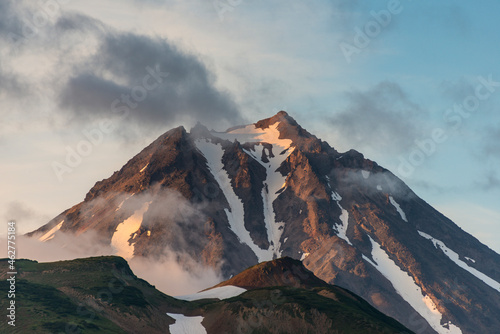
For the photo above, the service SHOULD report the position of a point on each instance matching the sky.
(413, 85)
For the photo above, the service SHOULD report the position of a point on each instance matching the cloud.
(377, 182)
(23, 214)
(490, 181)
(11, 30)
(182, 88)
(455, 91)
(176, 274)
(10, 22)
(66, 247)
(18, 211)
(381, 117)
(175, 267)
(88, 65)
(451, 17)
(491, 142)
(11, 85)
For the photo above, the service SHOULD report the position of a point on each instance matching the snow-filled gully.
(406, 287)
(273, 183)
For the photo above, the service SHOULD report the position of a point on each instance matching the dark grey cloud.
(382, 117)
(85, 88)
(120, 68)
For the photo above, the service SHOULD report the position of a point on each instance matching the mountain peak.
(284, 271)
(282, 117)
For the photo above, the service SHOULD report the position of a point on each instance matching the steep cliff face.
(270, 189)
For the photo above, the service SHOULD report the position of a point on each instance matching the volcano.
(271, 189)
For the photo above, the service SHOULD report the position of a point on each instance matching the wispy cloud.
(491, 142)
(490, 181)
(24, 214)
(382, 117)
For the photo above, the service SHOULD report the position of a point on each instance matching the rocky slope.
(254, 193)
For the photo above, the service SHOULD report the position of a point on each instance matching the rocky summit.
(254, 193)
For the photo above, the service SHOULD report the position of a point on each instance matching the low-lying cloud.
(173, 269)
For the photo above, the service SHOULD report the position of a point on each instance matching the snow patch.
(342, 228)
(379, 187)
(186, 325)
(235, 214)
(304, 255)
(252, 134)
(365, 173)
(250, 153)
(405, 286)
(336, 196)
(274, 181)
(398, 208)
(344, 218)
(469, 259)
(50, 234)
(455, 258)
(222, 292)
(143, 168)
(123, 231)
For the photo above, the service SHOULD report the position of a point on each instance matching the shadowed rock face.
(216, 197)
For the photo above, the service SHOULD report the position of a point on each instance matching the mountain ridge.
(102, 294)
(271, 189)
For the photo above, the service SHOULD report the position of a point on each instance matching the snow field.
(50, 234)
(186, 325)
(124, 230)
(406, 287)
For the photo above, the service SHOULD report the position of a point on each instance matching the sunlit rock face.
(258, 192)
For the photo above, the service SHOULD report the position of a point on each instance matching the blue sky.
(232, 62)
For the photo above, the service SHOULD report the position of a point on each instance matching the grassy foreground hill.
(102, 295)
